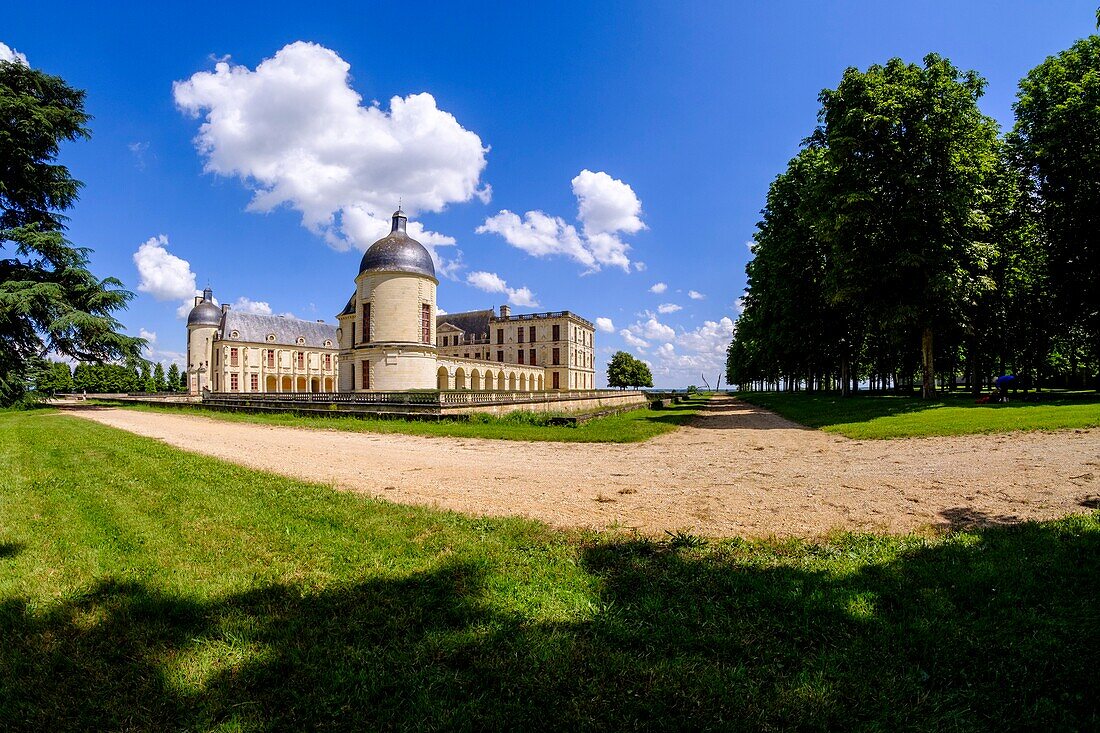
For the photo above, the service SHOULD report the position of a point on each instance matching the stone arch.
(542, 383)
(315, 385)
(475, 380)
(522, 382)
(288, 386)
(442, 379)
(490, 381)
(300, 386)
(460, 378)
(271, 384)
(328, 384)
(512, 381)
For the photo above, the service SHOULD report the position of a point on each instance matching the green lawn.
(863, 416)
(146, 589)
(627, 427)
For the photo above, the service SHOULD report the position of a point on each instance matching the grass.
(145, 589)
(868, 417)
(627, 427)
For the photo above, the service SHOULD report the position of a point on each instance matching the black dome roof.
(398, 252)
(205, 313)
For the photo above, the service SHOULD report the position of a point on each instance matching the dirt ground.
(737, 470)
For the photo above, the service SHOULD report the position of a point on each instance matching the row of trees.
(48, 378)
(624, 370)
(910, 237)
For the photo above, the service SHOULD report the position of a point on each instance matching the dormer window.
(271, 337)
(300, 341)
(328, 344)
(234, 334)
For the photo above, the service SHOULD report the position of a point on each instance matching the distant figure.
(1004, 382)
(85, 399)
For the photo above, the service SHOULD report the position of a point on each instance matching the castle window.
(271, 358)
(531, 333)
(519, 335)
(500, 335)
(366, 322)
(301, 360)
(328, 344)
(301, 341)
(557, 356)
(271, 337)
(328, 361)
(234, 355)
(366, 374)
(446, 340)
(255, 383)
(557, 333)
(425, 323)
(532, 359)
(500, 356)
(234, 334)
(232, 382)
(520, 354)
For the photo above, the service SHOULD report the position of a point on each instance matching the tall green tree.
(1057, 137)
(160, 384)
(49, 300)
(910, 154)
(623, 370)
(173, 378)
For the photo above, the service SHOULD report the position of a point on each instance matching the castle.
(390, 338)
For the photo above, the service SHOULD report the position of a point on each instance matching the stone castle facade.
(390, 338)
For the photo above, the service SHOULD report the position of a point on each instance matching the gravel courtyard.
(737, 470)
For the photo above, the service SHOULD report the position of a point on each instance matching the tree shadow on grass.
(10, 549)
(991, 630)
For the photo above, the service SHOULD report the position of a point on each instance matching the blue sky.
(681, 114)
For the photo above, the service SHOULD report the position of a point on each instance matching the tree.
(49, 300)
(640, 375)
(159, 383)
(910, 153)
(145, 381)
(173, 378)
(623, 370)
(50, 377)
(1057, 138)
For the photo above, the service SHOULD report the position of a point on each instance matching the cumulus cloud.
(7, 53)
(150, 336)
(633, 340)
(295, 133)
(669, 308)
(161, 273)
(247, 305)
(491, 282)
(606, 209)
(605, 325)
(658, 288)
(695, 295)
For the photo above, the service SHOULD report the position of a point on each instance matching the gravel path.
(737, 470)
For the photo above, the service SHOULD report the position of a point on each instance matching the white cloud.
(639, 267)
(539, 235)
(633, 340)
(150, 336)
(491, 282)
(162, 274)
(654, 329)
(295, 133)
(606, 208)
(669, 308)
(695, 295)
(658, 288)
(7, 53)
(247, 305)
(605, 325)
(666, 351)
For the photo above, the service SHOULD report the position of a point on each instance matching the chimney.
(198, 299)
(225, 307)
(505, 311)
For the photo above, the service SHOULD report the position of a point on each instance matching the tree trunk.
(928, 384)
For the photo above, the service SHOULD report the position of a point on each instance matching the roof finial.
(399, 219)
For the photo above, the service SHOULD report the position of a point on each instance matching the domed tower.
(388, 328)
(203, 322)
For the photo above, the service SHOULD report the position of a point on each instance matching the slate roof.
(255, 328)
(472, 322)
